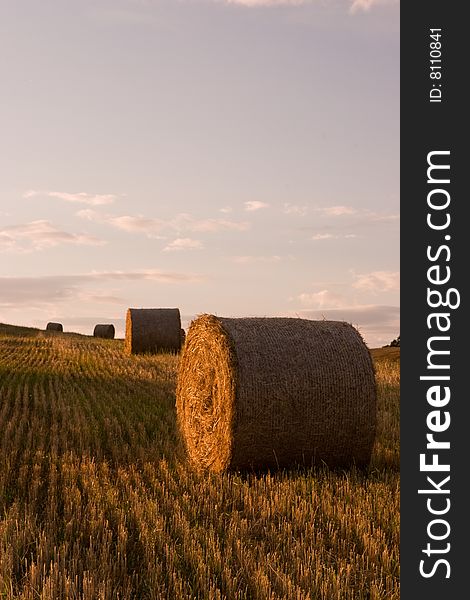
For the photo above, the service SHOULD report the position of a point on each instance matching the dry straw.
(153, 330)
(104, 331)
(54, 327)
(260, 393)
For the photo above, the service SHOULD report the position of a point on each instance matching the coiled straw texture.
(267, 393)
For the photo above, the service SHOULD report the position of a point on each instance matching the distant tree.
(393, 344)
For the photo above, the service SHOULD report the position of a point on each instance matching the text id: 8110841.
(435, 65)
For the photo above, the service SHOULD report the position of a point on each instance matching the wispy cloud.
(87, 213)
(226, 209)
(132, 224)
(346, 222)
(76, 197)
(145, 274)
(331, 236)
(362, 215)
(38, 291)
(267, 3)
(323, 236)
(366, 5)
(374, 217)
(354, 5)
(101, 298)
(154, 227)
(379, 324)
(337, 211)
(253, 205)
(378, 281)
(183, 244)
(185, 222)
(323, 299)
(39, 235)
(245, 260)
(295, 209)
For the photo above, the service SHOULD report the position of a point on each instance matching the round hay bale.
(261, 393)
(106, 332)
(54, 327)
(153, 330)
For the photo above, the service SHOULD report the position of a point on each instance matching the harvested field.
(97, 500)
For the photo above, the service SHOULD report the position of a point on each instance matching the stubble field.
(98, 502)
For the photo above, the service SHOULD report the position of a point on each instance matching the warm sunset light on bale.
(258, 393)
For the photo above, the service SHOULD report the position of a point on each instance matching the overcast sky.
(235, 157)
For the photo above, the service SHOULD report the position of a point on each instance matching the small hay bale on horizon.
(268, 393)
(54, 326)
(105, 331)
(152, 330)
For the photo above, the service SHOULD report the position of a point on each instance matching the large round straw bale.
(54, 327)
(104, 331)
(153, 330)
(261, 393)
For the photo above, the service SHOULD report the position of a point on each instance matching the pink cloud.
(378, 281)
(77, 197)
(39, 235)
(183, 244)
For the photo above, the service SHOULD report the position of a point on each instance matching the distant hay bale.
(261, 393)
(104, 331)
(54, 327)
(153, 330)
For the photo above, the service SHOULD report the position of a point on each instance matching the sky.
(237, 157)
